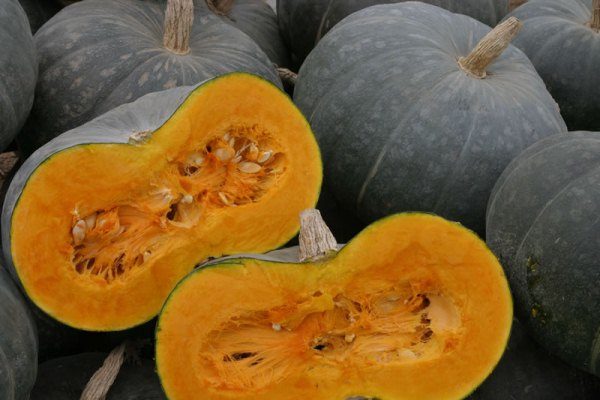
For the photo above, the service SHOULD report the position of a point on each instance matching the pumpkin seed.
(90, 220)
(276, 327)
(349, 338)
(249, 167)
(146, 255)
(264, 156)
(78, 232)
(196, 159)
(187, 199)
(224, 199)
(224, 153)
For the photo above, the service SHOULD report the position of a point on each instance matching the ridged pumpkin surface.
(415, 307)
(102, 222)
(98, 54)
(403, 126)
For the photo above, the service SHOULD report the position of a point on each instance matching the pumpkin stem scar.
(179, 18)
(220, 7)
(102, 380)
(316, 240)
(489, 48)
(595, 23)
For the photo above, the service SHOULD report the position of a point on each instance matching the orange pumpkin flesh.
(415, 307)
(103, 232)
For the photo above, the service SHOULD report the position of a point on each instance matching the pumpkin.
(561, 39)
(123, 207)
(65, 379)
(410, 298)
(98, 54)
(543, 224)
(527, 371)
(18, 343)
(257, 19)
(403, 125)
(304, 22)
(18, 70)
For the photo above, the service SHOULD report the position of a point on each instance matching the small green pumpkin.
(543, 223)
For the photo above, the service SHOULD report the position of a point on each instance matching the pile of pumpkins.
(155, 137)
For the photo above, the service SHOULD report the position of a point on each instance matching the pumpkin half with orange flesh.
(415, 307)
(102, 222)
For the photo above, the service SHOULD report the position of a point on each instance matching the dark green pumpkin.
(98, 54)
(527, 372)
(18, 70)
(543, 223)
(304, 22)
(402, 127)
(18, 343)
(563, 47)
(65, 379)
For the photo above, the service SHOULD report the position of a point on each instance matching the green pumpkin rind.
(542, 222)
(98, 54)
(18, 70)
(258, 20)
(18, 343)
(65, 378)
(402, 127)
(304, 22)
(556, 36)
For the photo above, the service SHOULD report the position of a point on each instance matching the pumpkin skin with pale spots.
(402, 127)
(98, 54)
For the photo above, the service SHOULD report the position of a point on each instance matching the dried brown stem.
(316, 240)
(220, 7)
(179, 18)
(595, 23)
(102, 380)
(490, 47)
(287, 76)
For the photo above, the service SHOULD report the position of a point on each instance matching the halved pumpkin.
(100, 232)
(415, 307)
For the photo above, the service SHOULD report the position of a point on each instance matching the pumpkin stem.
(220, 7)
(316, 240)
(102, 380)
(490, 47)
(512, 4)
(179, 17)
(287, 76)
(595, 24)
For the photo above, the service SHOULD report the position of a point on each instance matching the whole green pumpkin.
(304, 22)
(18, 70)
(561, 37)
(402, 126)
(543, 222)
(18, 343)
(98, 54)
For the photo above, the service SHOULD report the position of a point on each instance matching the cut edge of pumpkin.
(347, 252)
(301, 169)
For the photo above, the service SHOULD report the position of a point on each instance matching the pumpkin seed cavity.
(394, 325)
(231, 170)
